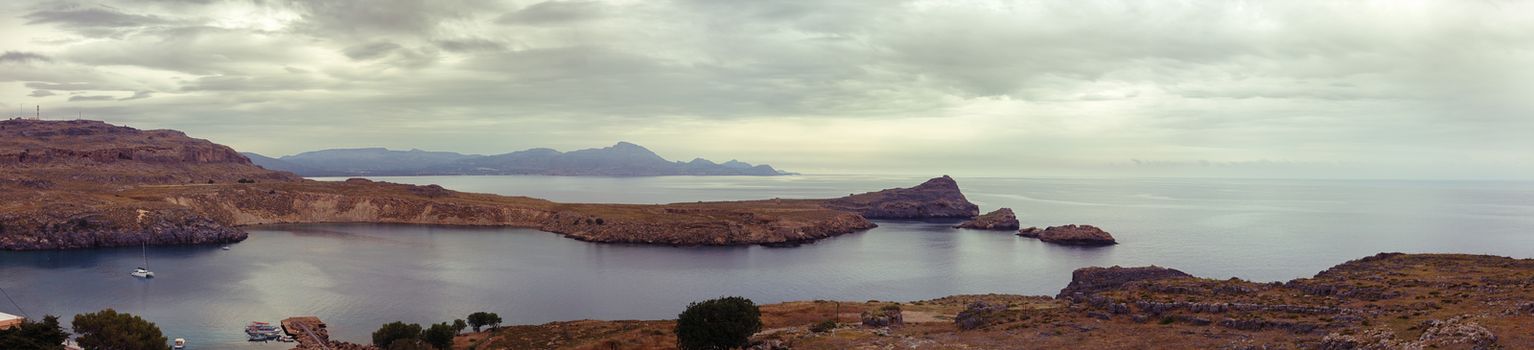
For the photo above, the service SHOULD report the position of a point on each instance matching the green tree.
(109, 329)
(494, 321)
(481, 319)
(717, 324)
(45, 335)
(387, 334)
(459, 325)
(440, 335)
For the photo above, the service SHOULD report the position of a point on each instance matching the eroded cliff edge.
(83, 184)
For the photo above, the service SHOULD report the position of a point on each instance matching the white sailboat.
(143, 271)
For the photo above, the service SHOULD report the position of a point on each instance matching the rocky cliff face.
(937, 198)
(1001, 220)
(63, 228)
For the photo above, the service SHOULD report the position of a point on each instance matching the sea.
(359, 276)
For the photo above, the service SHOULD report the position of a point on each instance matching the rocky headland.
(938, 198)
(83, 184)
(1386, 301)
(1083, 235)
(999, 220)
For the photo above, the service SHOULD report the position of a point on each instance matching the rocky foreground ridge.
(82, 184)
(1386, 301)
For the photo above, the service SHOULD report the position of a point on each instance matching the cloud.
(77, 98)
(138, 95)
(371, 51)
(554, 12)
(23, 57)
(41, 93)
(855, 83)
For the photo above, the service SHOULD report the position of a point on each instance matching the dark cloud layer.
(837, 85)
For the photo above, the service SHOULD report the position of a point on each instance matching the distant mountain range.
(622, 159)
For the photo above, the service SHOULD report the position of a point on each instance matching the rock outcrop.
(1001, 220)
(887, 316)
(1089, 280)
(938, 198)
(1086, 235)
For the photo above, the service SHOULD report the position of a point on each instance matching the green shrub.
(823, 326)
(440, 335)
(717, 324)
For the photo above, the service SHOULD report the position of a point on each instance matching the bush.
(440, 335)
(34, 335)
(722, 323)
(387, 334)
(108, 329)
(823, 326)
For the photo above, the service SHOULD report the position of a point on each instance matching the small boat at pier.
(262, 331)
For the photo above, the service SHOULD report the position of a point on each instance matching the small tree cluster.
(402, 336)
(45, 335)
(399, 335)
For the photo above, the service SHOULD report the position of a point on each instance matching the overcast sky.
(1368, 89)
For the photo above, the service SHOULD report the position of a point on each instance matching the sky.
(1311, 89)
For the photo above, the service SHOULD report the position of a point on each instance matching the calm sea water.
(358, 276)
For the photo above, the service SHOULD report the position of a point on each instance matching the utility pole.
(39, 115)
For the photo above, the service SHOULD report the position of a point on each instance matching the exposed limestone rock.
(1456, 332)
(1087, 235)
(1002, 219)
(883, 317)
(1089, 280)
(936, 198)
(978, 314)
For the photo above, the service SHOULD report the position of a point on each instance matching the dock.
(311, 333)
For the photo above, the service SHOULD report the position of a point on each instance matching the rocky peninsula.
(83, 184)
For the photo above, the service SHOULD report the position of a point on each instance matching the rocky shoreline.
(1385, 301)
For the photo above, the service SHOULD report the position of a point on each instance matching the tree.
(387, 334)
(440, 336)
(494, 320)
(716, 324)
(477, 320)
(109, 329)
(481, 319)
(459, 325)
(29, 335)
